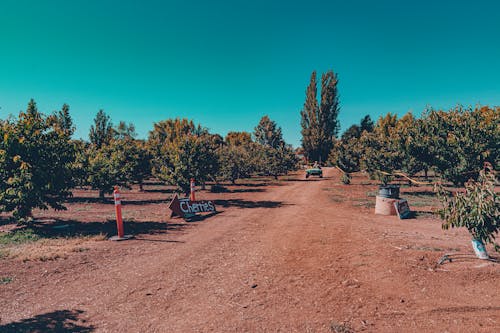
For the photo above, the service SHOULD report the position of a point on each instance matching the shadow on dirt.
(157, 240)
(419, 193)
(159, 190)
(4, 220)
(248, 184)
(89, 200)
(57, 321)
(306, 180)
(248, 204)
(199, 218)
(108, 201)
(247, 190)
(71, 228)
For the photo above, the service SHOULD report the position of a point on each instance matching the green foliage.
(477, 209)
(268, 133)
(346, 155)
(191, 157)
(271, 155)
(346, 152)
(366, 124)
(140, 159)
(120, 162)
(379, 150)
(80, 166)
(35, 161)
(124, 131)
(101, 132)
(236, 162)
(275, 161)
(319, 122)
(181, 151)
(238, 138)
(410, 140)
(462, 140)
(454, 144)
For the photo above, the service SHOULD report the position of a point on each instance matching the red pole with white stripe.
(118, 209)
(191, 196)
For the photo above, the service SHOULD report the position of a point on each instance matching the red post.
(191, 196)
(118, 209)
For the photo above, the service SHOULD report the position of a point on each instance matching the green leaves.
(35, 163)
(182, 151)
(477, 209)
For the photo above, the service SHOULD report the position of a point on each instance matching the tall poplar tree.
(319, 122)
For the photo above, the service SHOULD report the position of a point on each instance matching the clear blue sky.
(225, 64)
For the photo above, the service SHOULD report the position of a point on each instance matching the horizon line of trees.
(40, 163)
(453, 144)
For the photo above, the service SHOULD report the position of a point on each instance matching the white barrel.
(385, 206)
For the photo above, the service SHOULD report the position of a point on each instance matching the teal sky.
(225, 64)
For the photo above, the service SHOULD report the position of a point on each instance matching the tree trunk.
(24, 215)
(101, 195)
(141, 187)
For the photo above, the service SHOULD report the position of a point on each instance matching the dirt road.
(282, 258)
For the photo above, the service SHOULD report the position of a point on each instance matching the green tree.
(380, 153)
(124, 131)
(462, 140)
(140, 158)
(238, 138)
(101, 132)
(235, 162)
(319, 123)
(181, 151)
(62, 121)
(274, 156)
(120, 162)
(35, 158)
(268, 133)
(80, 165)
(366, 124)
(347, 151)
(407, 139)
(190, 157)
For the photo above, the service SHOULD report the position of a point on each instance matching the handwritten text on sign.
(184, 206)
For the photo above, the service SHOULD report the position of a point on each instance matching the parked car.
(314, 171)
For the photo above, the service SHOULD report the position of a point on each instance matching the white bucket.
(479, 249)
(385, 206)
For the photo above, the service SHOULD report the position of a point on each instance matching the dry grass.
(49, 248)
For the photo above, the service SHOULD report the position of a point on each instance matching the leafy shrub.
(477, 209)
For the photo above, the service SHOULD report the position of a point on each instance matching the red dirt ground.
(293, 256)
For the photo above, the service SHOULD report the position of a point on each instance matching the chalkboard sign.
(402, 209)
